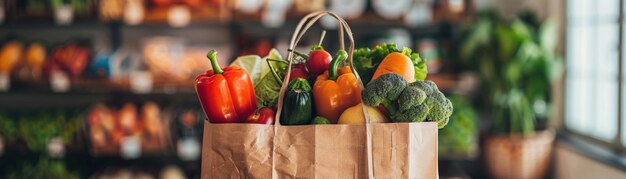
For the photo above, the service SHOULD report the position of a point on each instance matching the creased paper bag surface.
(320, 151)
(400, 150)
(237, 151)
(405, 150)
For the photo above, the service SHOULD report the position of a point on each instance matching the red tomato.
(298, 73)
(318, 61)
(300, 66)
(264, 115)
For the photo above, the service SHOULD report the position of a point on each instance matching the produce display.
(71, 58)
(395, 90)
(32, 62)
(36, 130)
(35, 133)
(274, 12)
(81, 7)
(75, 64)
(107, 127)
(9, 56)
(43, 168)
(7, 130)
(166, 172)
(35, 59)
(47, 132)
(172, 58)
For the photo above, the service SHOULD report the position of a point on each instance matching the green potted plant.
(459, 140)
(516, 62)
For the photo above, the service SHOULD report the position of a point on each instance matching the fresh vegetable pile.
(322, 89)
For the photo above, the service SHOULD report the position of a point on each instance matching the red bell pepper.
(226, 95)
(264, 115)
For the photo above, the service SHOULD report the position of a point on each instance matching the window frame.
(616, 145)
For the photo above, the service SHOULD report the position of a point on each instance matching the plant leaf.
(548, 34)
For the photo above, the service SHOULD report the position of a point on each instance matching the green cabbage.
(266, 86)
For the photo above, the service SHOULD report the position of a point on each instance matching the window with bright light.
(592, 104)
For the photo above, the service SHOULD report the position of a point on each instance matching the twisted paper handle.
(300, 30)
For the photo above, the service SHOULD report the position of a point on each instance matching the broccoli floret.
(384, 90)
(436, 107)
(427, 86)
(440, 108)
(416, 102)
(410, 97)
(320, 120)
(417, 113)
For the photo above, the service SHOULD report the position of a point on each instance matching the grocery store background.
(103, 88)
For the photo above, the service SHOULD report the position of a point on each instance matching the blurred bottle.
(188, 127)
(428, 50)
(111, 10)
(134, 12)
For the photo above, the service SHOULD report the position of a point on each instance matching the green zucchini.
(297, 103)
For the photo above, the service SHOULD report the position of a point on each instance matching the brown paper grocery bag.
(400, 150)
(390, 150)
(405, 150)
(237, 150)
(320, 151)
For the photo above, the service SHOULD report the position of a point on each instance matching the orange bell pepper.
(336, 90)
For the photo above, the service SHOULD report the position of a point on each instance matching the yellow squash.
(354, 115)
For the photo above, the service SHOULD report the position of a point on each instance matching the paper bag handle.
(304, 25)
(301, 29)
